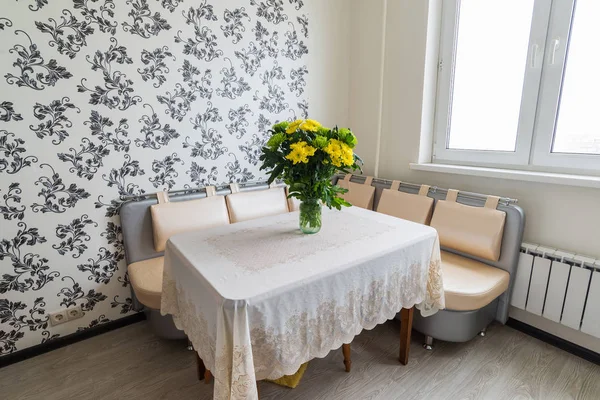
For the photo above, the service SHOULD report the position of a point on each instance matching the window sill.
(515, 175)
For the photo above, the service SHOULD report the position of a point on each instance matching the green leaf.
(275, 174)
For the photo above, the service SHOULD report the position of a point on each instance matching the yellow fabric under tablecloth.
(291, 381)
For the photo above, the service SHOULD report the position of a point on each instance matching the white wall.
(328, 62)
(558, 216)
(365, 76)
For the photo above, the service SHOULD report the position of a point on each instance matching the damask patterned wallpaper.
(102, 99)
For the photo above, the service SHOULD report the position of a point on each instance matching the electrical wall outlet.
(74, 312)
(64, 315)
(58, 317)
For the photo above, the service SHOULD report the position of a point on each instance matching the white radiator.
(559, 286)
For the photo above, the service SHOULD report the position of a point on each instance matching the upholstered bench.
(148, 224)
(480, 239)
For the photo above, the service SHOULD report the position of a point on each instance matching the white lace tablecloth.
(257, 299)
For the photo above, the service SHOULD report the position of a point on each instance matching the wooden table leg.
(208, 377)
(201, 367)
(203, 373)
(406, 320)
(347, 356)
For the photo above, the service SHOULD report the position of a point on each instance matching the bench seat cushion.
(470, 284)
(146, 279)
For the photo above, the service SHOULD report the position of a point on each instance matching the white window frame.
(554, 68)
(546, 62)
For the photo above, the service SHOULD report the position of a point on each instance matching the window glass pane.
(491, 57)
(578, 123)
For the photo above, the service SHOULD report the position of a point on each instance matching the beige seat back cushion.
(244, 206)
(412, 207)
(169, 218)
(293, 203)
(476, 231)
(358, 195)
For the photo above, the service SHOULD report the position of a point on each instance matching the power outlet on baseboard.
(65, 315)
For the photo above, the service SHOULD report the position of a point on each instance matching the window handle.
(534, 55)
(555, 46)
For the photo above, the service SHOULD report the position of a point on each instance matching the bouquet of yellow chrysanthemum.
(306, 155)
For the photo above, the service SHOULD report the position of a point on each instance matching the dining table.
(258, 299)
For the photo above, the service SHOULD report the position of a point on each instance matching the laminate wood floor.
(130, 363)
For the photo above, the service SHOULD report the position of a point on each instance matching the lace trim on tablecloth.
(188, 319)
(435, 291)
(435, 299)
(335, 323)
(305, 337)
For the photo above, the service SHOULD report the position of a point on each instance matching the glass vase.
(310, 216)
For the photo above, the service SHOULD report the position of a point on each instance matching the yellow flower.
(347, 155)
(300, 152)
(306, 125)
(310, 125)
(294, 126)
(340, 153)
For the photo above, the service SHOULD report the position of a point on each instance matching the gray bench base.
(455, 326)
(163, 326)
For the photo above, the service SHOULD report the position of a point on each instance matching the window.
(519, 84)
